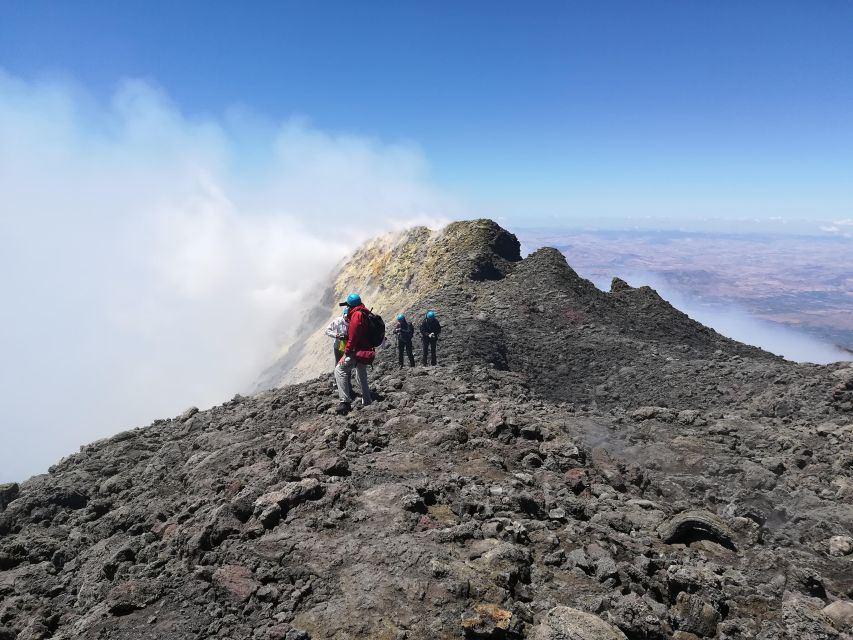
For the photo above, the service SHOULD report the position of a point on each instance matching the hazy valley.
(804, 282)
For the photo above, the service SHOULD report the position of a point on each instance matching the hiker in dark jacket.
(430, 330)
(405, 332)
(358, 353)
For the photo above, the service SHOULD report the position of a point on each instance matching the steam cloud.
(151, 261)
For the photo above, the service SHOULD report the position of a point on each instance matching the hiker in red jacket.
(357, 355)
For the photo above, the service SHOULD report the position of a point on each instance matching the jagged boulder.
(566, 623)
(694, 525)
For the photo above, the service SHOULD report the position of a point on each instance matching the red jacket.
(357, 337)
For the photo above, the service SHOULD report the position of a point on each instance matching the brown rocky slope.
(582, 465)
(389, 272)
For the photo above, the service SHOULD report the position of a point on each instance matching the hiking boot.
(343, 409)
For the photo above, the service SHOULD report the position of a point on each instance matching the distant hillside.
(801, 282)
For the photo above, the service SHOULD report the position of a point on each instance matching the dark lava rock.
(581, 464)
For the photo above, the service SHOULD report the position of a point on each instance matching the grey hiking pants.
(343, 377)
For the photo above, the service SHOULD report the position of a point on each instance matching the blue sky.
(535, 112)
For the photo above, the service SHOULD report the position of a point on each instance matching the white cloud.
(151, 260)
(841, 228)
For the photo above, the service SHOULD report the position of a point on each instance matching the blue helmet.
(430, 314)
(400, 316)
(353, 300)
(345, 314)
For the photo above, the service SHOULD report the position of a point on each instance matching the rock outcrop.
(391, 272)
(581, 464)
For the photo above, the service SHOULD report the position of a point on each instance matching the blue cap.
(400, 316)
(430, 314)
(353, 300)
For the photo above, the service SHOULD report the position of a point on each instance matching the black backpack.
(375, 328)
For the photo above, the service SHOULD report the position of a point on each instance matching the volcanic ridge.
(581, 465)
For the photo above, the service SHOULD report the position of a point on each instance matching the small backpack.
(375, 328)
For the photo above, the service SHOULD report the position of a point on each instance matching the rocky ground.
(582, 465)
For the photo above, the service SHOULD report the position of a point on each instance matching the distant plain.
(800, 282)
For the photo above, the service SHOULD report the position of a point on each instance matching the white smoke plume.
(152, 260)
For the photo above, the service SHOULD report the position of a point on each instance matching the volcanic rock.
(841, 614)
(565, 623)
(581, 464)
